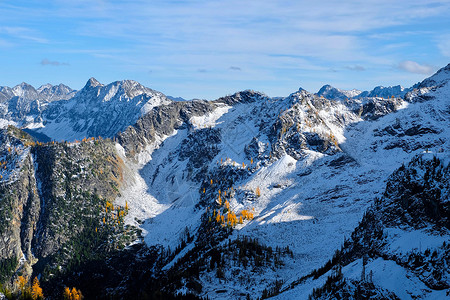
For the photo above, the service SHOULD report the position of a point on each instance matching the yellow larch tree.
(258, 192)
(218, 218)
(36, 290)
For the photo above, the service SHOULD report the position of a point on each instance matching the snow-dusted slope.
(379, 148)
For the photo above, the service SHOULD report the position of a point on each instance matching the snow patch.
(209, 119)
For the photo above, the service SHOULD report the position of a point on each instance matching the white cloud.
(414, 67)
(46, 62)
(357, 68)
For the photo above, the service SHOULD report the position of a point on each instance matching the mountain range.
(104, 110)
(125, 193)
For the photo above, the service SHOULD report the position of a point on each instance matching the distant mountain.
(385, 92)
(23, 105)
(99, 110)
(58, 112)
(330, 92)
(176, 98)
(55, 92)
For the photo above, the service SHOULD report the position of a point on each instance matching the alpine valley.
(124, 193)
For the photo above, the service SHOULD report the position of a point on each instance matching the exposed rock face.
(19, 201)
(20, 212)
(287, 170)
(67, 174)
(161, 121)
(51, 194)
(416, 198)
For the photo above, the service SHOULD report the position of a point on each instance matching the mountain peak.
(23, 85)
(442, 76)
(43, 87)
(330, 92)
(92, 82)
(24, 90)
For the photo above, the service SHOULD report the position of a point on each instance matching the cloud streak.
(23, 33)
(46, 62)
(414, 67)
(357, 68)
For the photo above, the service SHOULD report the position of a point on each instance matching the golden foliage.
(21, 281)
(36, 290)
(247, 215)
(74, 294)
(258, 192)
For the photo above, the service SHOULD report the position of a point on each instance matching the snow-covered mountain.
(330, 92)
(23, 105)
(244, 196)
(60, 113)
(386, 92)
(99, 110)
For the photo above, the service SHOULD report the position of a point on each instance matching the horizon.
(208, 49)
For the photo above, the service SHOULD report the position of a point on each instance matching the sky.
(208, 49)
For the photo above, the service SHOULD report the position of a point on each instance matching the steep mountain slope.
(409, 220)
(400, 248)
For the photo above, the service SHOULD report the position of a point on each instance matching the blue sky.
(207, 49)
